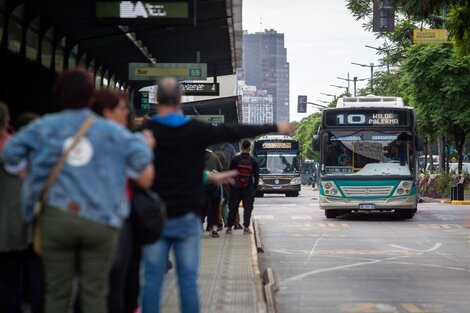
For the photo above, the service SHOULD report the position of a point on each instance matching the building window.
(47, 48)
(98, 77)
(2, 25)
(73, 56)
(15, 30)
(82, 62)
(112, 83)
(32, 40)
(59, 55)
(91, 67)
(105, 79)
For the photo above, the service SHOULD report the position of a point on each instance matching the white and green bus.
(368, 157)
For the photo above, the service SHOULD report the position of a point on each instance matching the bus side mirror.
(316, 143)
(419, 143)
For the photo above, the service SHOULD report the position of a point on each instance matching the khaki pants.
(76, 247)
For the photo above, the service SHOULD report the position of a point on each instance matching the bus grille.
(280, 181)
(367, 191)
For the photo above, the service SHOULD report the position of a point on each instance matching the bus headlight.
(260, 182)
(295, 181)
(330, 189)
(404, 188)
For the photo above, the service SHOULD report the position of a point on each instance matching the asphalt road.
(365, 262)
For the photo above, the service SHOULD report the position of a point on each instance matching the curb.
(462, 202)
(456, 202)
(257, 235)
(260, 303)
(270, 287)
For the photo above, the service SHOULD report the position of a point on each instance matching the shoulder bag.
(39, 206)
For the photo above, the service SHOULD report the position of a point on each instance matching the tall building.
(265, 66)
(257, 105)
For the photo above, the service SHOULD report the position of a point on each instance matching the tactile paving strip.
(225, 277)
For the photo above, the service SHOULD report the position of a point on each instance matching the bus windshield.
(277, 162)
(367, 153)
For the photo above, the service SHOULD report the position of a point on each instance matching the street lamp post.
(328, 94)
(318, 105)
(371, 65)
(343, 87)
(355, 80)
(387, 51)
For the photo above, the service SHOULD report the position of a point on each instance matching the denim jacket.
(92, 182)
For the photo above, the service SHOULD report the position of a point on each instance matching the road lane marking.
(413, 308)
(372, 308)
(341, 267)
(301, 217)
(314, 247)
(264, 217)
(441, 226)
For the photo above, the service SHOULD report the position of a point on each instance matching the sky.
(322, 39)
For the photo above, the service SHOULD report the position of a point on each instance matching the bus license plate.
(366, 206)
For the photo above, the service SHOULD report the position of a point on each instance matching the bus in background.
(279, 165)
(368, 158)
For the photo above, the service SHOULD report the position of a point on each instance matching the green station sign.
(155, 71)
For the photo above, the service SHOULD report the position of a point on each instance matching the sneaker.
(228, 231)
(238, 226)
(246, 230)
(215, 234)
(220, 227)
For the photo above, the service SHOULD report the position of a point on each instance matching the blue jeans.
(184, 234)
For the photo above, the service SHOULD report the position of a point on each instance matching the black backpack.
(148, 213)
(245, 173)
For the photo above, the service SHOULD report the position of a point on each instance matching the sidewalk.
(229, 278)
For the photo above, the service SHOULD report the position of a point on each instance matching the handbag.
(39, 205)
(149, 214)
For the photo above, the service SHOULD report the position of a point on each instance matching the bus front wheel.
(292, 194)
(331, 213)
(405, 213)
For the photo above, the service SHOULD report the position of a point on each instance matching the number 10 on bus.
(351, 119)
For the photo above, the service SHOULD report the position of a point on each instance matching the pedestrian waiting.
(77, 164)
(179, 162)
(244, 188)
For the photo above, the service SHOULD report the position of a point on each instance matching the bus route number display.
(277, 145)
(366, 118)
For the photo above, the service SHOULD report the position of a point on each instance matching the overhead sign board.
(213, 119)
(155, 13)
(431, 36)
(155, 71)
(200, 89)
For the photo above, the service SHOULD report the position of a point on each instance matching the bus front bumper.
(277, 188)
(396, 203)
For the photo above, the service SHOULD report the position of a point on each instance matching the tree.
(438, 84)
(307, 127)
(416, 13)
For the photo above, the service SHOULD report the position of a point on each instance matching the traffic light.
(302, 104)
(383, 16)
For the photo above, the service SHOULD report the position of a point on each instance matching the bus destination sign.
(277, 145)
(366, 118)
